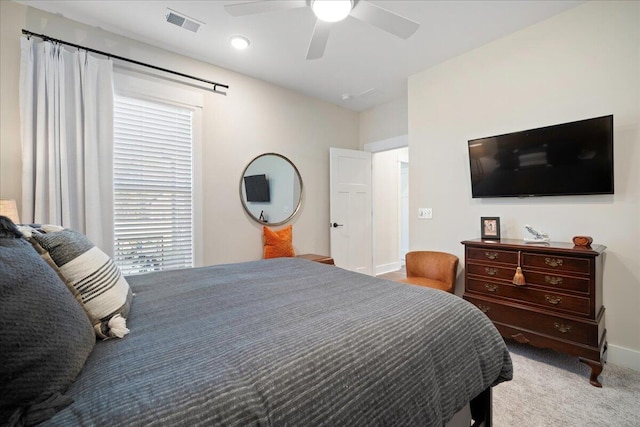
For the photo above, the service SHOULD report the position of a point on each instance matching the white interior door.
(351, 210)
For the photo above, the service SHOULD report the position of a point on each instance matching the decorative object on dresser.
(583, 241)
(532, 235)
(490, 227)
(560, 304)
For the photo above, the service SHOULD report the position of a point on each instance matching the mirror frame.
(297, 207)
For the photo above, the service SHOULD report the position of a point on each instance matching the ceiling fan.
(329, 12)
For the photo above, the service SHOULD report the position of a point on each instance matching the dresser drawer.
(556, 263)
(491, 271)
(557, 281)
(571, 329)
(503, 257)
(550, 300)
(544, 341)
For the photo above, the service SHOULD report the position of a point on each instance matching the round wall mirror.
(271, 189)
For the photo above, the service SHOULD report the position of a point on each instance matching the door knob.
(336, 225)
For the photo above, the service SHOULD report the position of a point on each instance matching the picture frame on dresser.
(490, 228)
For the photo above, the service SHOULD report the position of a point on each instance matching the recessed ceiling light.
(240, 42)
(331, 10)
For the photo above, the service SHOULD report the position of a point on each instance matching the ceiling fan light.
(331, 10)
(240, 42)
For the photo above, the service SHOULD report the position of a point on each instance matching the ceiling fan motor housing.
(331, 10)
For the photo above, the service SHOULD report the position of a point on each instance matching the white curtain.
(66, 106)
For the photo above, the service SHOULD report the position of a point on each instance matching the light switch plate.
(425, 213)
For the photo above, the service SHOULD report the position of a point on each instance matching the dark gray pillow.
(45, 336)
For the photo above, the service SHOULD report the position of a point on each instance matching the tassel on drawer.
(518, 278)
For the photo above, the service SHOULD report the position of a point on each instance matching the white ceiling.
(358, 56)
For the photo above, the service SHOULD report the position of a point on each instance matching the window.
(153, 186)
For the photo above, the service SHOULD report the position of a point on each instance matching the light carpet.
(552, 389)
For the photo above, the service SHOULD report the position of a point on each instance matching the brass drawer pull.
(483, 308)
(562, 327)
(491, 271)
(552, 299)
(553, 280)
(491, 255)
(553, 262)
(490, 287)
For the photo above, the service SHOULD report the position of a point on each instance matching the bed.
(289, 342)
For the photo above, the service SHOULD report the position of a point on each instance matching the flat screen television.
(256, 188)
(566, 159)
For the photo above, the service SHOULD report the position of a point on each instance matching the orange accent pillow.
(278, 243)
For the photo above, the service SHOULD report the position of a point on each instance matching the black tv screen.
(256, 188)
(566, 159)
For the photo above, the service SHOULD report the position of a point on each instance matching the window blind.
(153, 186)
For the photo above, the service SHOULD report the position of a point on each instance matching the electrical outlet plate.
(425, 213)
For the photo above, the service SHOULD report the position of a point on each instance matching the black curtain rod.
(88, 49)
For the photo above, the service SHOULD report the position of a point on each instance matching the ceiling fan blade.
(385, 20)
(319, 39)
(263, 6)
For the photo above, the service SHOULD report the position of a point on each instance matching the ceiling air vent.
(182, 20)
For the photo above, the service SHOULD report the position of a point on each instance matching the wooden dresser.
(559, 307)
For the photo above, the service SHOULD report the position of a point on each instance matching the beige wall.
(12, 17)
(384, 122)
(580, 64)
(255, 117)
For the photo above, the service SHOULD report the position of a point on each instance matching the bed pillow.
(45, 335)
(278, 243)
(92, 276)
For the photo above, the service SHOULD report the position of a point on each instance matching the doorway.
(387, 215)
(390, 209)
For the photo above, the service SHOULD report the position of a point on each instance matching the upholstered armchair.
(432, 269)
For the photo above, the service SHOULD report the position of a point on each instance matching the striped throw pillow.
(92, 277)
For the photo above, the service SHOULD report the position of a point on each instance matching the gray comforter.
(287, 342)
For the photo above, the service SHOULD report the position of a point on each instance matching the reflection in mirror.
(271, 189)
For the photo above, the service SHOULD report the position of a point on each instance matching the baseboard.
(624, 357)
(388, 268)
